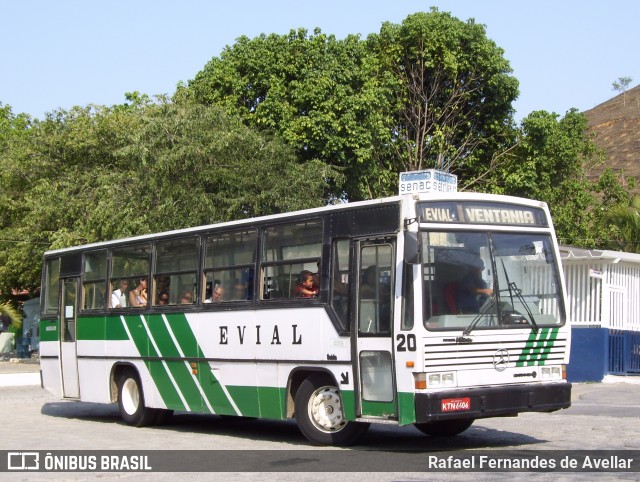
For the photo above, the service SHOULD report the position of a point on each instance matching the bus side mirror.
(412, 248)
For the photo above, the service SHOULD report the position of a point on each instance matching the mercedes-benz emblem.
(501, 360)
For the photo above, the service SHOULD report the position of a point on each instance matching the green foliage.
(548, 163)
(7, 310)
(453, 92)
(623, 222)
(284, 122)
(97, 173)
(313, 91)
(430, 91)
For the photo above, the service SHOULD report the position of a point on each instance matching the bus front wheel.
(320, 415)
(131, 401)
(445, 428)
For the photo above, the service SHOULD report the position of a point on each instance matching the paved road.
(603, 416)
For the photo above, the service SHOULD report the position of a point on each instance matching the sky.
(58, 54)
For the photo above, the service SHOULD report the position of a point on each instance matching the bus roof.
(439, 196)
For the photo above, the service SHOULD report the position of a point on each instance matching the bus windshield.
(475, 280)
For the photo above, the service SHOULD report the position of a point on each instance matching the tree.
(96, 173)
(10, 315)
(431, 92)
(548, 163)
(624, 224)
(621, 86)
(453, 92)
(312, 90)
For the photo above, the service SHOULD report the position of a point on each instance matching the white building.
(603, 291)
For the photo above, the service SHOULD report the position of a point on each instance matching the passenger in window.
(138, 296)
(163, 283)
(217, 295)
(368, 288)
(163, 298)
(306, 287)
(247, 284)
(340, 287)
(186, 298)
(119, 297)
(239, 292)
(472, 290)
(316, 276)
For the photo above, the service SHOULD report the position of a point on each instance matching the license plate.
(456, 404)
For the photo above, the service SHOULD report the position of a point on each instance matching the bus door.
(68, 349)
(373, 327)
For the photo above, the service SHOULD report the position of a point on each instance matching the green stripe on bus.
(406, 408)
(538, 347)
(157, 369)
(271, 401)
(49, 330)
(246, 399)
(164, 385)
(213, 391)
(101, 328)
(348, 404)
(139, 336)
(378, 409)
(181, 372)
(184, 335)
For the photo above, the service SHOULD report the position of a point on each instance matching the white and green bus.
(429, 309)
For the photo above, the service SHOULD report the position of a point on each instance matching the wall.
(589, 354)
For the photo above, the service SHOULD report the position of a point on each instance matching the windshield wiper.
(483, 311)
(532, 321)
(513, 288)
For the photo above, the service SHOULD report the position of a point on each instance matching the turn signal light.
(420, 381)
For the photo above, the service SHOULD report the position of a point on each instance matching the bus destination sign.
(481, 213)
(429, 180)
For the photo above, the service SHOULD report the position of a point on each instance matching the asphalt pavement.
(602, 416)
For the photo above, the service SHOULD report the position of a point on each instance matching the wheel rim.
(130, 396)
(325, 410)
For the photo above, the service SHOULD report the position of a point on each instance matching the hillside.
(616, 124)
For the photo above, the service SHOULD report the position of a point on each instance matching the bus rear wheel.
(320, 415)
(445, 428)
(131, 401)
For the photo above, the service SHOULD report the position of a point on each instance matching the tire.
(320, 416)
(162, 416)
(131, 401)
(445, 428)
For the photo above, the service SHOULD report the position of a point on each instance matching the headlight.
(551, 373)
(438, 380)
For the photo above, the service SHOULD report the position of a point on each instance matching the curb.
(19, 379)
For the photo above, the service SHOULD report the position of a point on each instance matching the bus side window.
(229, 266)
(94, 283)
(51, 288)
(130, 266)
(341, 261)
(176, 267)
(287, 251)
(375, 288)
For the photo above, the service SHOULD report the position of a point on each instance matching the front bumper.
(484, 402)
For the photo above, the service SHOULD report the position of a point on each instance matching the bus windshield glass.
(475, 280)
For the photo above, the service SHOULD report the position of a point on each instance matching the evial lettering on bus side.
(238, 335)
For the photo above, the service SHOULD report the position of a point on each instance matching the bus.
(431, 309)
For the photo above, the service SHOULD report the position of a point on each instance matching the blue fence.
(624, 352)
